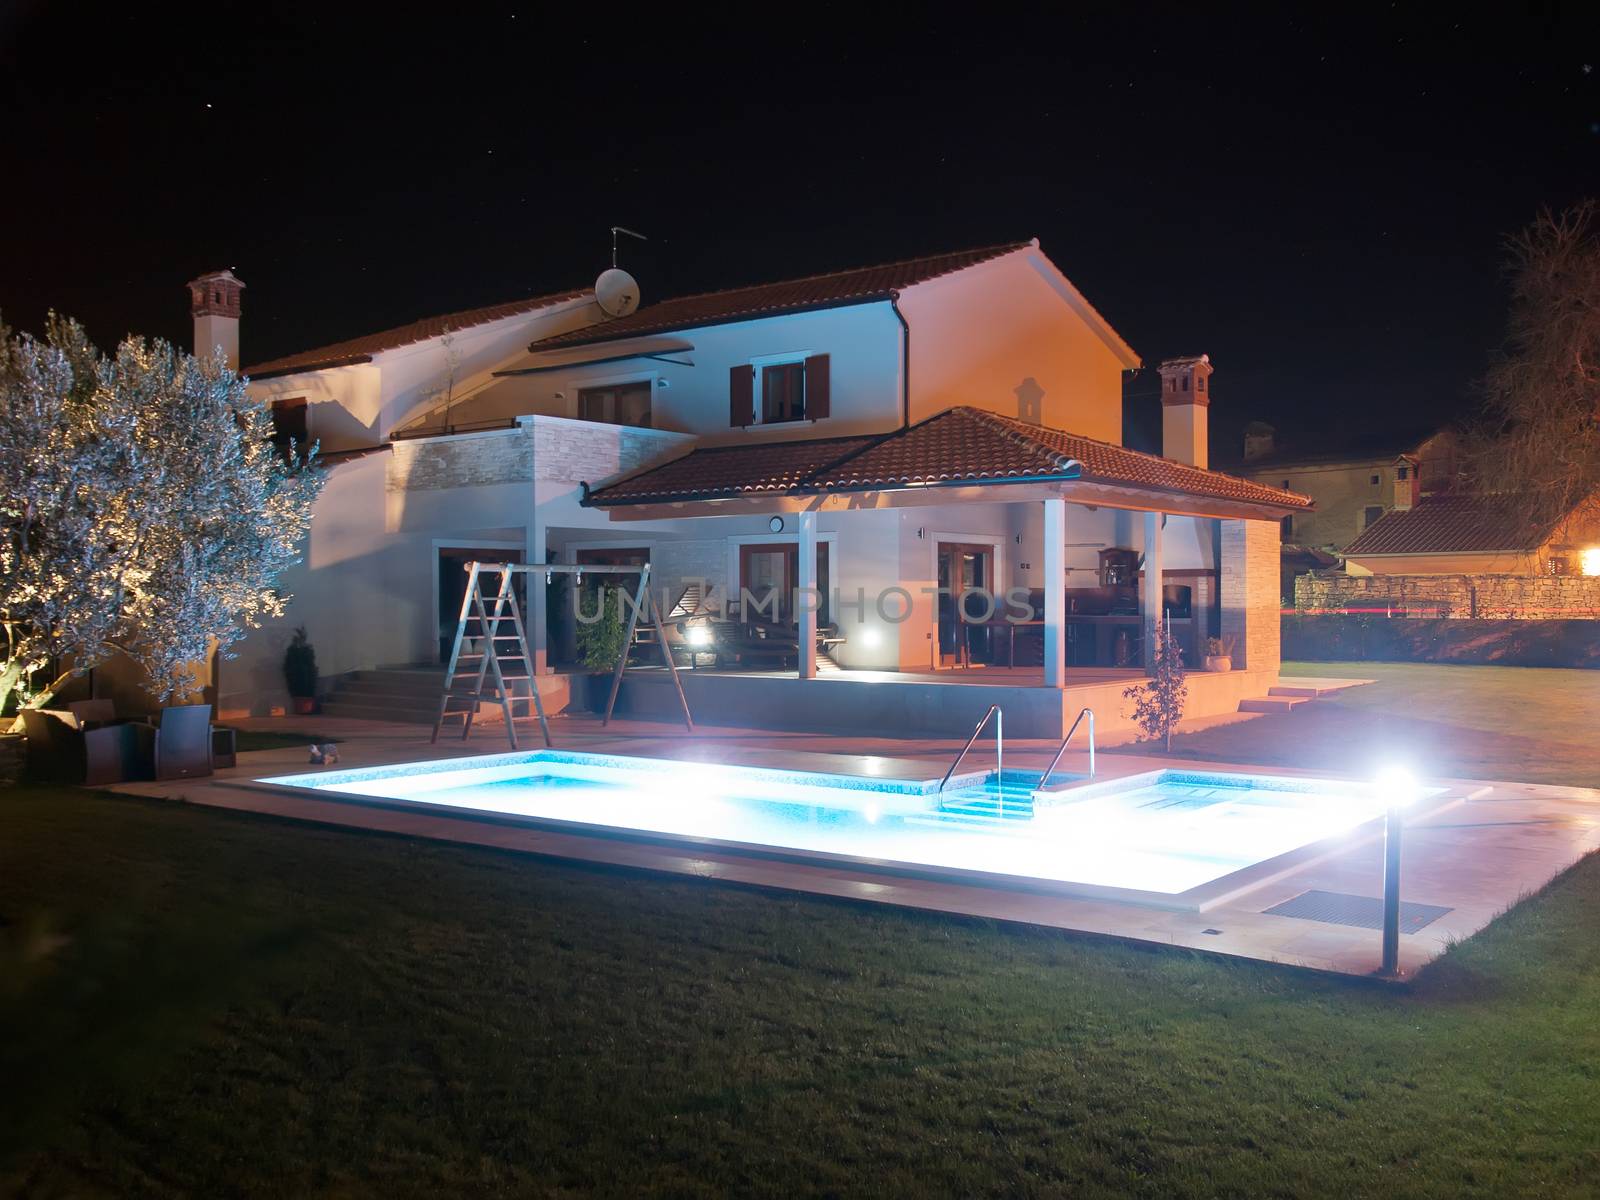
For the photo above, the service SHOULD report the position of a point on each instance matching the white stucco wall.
(862, 342)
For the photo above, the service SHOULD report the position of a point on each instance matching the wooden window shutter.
(741, 395)
(817, 394)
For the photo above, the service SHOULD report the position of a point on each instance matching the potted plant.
(300, 673)
(601, 631)
(1218, 656)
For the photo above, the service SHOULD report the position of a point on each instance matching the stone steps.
(1273, 704)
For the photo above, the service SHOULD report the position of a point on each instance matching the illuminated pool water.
(1162, 833)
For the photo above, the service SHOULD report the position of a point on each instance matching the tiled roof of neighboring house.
(361, 349)
(858, 286)
(959, 445)
(1451, 525)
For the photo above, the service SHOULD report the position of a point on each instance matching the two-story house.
(908, 439)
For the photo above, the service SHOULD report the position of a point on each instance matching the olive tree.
(145, 510)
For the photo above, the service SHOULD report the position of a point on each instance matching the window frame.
(614, 384)
(758, 389)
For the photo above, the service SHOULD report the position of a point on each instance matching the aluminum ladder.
(474, 676)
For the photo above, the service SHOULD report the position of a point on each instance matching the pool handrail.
(1056, 761)
(999, 715)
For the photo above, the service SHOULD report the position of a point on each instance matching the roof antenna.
(616, 229)
(617, 292)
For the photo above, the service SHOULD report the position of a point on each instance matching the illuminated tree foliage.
(144, 510)
(1540, 439)
(1158, 702)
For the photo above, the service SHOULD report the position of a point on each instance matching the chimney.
(214, 305)
(1185, 396)
(1258, 440)
(1405, 483)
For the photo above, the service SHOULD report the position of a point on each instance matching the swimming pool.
(1161, 834)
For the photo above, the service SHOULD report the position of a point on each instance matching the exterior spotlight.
(699, 636)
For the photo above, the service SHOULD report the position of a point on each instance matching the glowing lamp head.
(699, 636)
(1397, 786)
(871, 638)
(1589, 560)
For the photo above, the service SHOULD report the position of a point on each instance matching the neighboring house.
(1474, 534)
(1354, 485)
(945, 422)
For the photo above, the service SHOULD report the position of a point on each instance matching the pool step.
(989, 806)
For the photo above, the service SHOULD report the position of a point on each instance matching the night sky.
(1317, 203)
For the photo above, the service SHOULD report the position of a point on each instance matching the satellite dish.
(616, 292)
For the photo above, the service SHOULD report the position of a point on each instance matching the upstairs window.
(289, 424)
(1370, 514)
(617, 404)
(783, 393)
(778, 392)
(1374, 480)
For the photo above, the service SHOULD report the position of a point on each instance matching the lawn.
(203, 1003)
(1530, 724)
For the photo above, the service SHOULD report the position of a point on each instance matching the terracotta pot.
(304, 706)
(1219, 662)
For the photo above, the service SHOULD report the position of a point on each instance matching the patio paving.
(1496, 845)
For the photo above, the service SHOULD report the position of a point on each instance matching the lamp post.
(1394, 824)
(1399, 789)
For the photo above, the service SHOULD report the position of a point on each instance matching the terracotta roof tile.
(719, 472)
(361, 349)
(971, 444)
(856, 286)
(1450, 524)
(955, 446)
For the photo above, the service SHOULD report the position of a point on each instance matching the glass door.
(964, 567)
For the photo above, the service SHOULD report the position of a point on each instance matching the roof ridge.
(996, 249)
(1016, 432)
(1023, 426)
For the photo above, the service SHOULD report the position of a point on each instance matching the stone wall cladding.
(545, 448)
(1250, 583)
(594, 453)
(1458, 597)
(467, 460)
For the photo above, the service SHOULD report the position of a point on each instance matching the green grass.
(202, 1003)
(1529, 724)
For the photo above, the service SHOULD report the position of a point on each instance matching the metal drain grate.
(1364, 912)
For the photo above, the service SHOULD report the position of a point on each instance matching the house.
(915, 443)
(1353, 485)
(1475, 534)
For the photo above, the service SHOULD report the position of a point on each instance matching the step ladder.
(490, 655)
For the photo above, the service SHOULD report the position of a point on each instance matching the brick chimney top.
(215, 294)
(1184, 380)
(1185, 396)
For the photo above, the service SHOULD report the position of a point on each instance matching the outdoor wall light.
(699, 636)
(871, 638)
(1590, 560)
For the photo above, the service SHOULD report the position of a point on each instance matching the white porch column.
(806, 599)
(1055, 592)
(537, 625)
(1152, 584)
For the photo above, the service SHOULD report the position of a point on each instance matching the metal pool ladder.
(1054, 762)
(999, 740)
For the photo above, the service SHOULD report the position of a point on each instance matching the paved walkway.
(1496, 844)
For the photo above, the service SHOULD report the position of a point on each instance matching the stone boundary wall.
(1453, 597)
